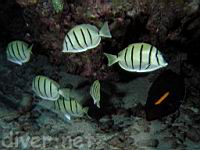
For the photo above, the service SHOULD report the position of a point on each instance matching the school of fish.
(137, 57)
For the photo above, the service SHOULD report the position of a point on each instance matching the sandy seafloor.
(39, 128)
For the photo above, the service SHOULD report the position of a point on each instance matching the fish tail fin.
(30, 48)
(112, 59)
(65, 92)
(104, 31)
(85, 110)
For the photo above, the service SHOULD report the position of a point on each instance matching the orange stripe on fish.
(162, 98)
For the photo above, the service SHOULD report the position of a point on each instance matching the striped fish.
(70, 107)
(138, 57)
(48, 89)
(18, 52)
(95, 92)
(83, 37)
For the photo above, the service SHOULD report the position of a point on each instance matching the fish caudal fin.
(85, 110)
(104, 31)
(30, 48)
(65, 93)
(112, 59)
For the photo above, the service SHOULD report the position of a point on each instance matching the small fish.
(58, 5)
(95, 92)
(70, 107)
(138, 57)
(18, 52)
(48, 89)
(83, 37)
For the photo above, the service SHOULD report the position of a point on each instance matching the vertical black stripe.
(58, 104)
(94, 90)
(150, 51)
(132, 57)
(141, 56)
(64, 105)
(76, 107)
(18, 51)
(39, 86)
(66, 44)
(96, 87)
(13, 51)
(157, 56)
(23, 51)
(71, 105)
(55, 105)
(77, 40)
(90, 36)
(45, 88)
(125, 56)
(70, 42)
(50, 89)
(150, 54)
(84, 38)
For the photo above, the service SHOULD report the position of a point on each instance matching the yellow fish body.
(138, 57)
(83, 37)
(70, 107)
(18, 52)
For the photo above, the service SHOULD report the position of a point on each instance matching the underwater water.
(99, 74)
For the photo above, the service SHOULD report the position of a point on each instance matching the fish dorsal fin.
(90, 27)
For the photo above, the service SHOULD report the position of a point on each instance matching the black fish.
(165, 95)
